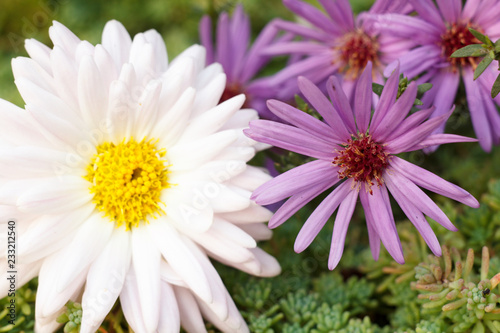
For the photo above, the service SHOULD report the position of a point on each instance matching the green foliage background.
(360, 295)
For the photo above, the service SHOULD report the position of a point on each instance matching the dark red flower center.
(363, 160)
(456, 37)
(356, 49)
(234, 89)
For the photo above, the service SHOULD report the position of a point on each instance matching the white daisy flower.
(125, 176)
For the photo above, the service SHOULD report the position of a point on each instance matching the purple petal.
(344, 18)
(470, 8)
(206, 38)
(396, 114)
(302, 67)
(321, 104)
(299, 200)
(379, 206)
(418, 60)
(255, 60)
(416, 217)
(341, 103)
(439, 139)
(428, 11)
(321, 214)
(412, 121)
(290, 138)
(224, 46)
(240, 39)
(302, 120)
(295, 47)
(363, 100)
(342, 220)
(295, 181)
(373, 237)
(307, 33)
(476, 100)
(418, 198)
(387, 98)
(432, 182)
(407, 27)
(414, 136)
(450, 9)
(311, 14)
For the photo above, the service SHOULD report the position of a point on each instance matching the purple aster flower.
(356, 154)
(240, 62)
(439, 32)
(336, 43)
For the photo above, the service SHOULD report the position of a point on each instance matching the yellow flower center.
(127, 180)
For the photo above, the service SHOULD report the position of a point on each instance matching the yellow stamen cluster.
(127, 180)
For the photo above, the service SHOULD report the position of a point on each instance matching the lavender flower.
(241, 63)
(356, 154)
(439, 32)
(336, 44)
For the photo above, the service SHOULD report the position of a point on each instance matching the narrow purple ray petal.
(431, 182)
(303, 120)
(396, 114)
(387, 99)
(311, 14)
(418, 60)
(299, 200)
(418, 198)
(450, 9)
(224, 44)
(240, 39)
(470, 8)
(294, 181)
(341, 103)
(302, 47)
(342, 220)
(315, 62)
(346, 11)
(373, 237)
(255, 60)
(363, 100)
(417, 134)
(380, 208)
(321, 214)
(415, 216)
(321, 104)
(290, 138)
(439, 139)
(408, 27)
(428, 11)
(343, 18)
(206, 37)
(305, 32)
(477, 110)
(410, 122)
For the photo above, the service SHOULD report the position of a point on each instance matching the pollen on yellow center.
(127, 180)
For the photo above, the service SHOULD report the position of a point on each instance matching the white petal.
(208, 96)
(117, 42)
(191, 155)
(130, 303)
(190, 315)
(65, 75)
(172, 124)
(147, 109)
(211, 121)
(258, 231)
(169, 311)
(55, 195)
(63, 37)
(105, 280)
(160, 51)
(252, 214)
(88, 242)
(180, 257)
(39, 52)
(92, 94)
(146, 263)
(30, 70)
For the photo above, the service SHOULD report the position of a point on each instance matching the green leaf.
(424, 87)
(377, 88)
(472, 50)
(481, 37)
(482, 66)
(496, 87)
(418, 102)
